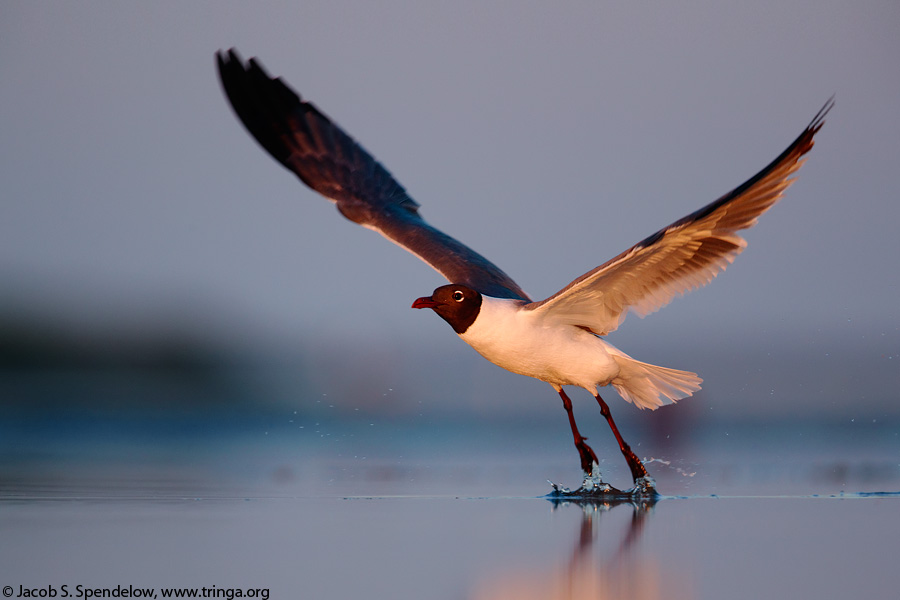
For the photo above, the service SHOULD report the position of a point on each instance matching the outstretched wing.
(687, 254)
(329, 161)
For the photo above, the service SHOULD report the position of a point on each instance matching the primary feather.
(687, 254)
(312, 146)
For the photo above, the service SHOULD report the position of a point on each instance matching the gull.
(558, 340)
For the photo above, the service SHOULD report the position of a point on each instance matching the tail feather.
(651, 386)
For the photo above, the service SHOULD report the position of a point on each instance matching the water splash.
(593, 488)
(643, 487)
(668, 463)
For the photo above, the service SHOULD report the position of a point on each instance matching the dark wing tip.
(266, 105)
(795, 151)
(805, 141)
(306, 141)
(258, 100)
(816, 124)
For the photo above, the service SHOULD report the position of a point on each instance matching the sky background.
(547, 137)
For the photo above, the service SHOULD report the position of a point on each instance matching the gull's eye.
(458, 296)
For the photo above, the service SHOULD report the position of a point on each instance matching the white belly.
(517, 341)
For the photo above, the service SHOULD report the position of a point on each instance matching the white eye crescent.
(458, 296)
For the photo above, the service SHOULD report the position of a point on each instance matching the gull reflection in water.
(603, 565)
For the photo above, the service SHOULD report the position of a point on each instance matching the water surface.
(451, 513)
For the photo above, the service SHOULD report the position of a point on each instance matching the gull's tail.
(650, 386)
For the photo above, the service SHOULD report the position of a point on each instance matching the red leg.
(588, 458)
(636, 466)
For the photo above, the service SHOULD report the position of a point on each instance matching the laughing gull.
(558, 340)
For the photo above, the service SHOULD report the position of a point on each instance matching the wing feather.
(687, 254)
(329, 161)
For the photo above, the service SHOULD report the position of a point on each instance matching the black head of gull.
(457, 304)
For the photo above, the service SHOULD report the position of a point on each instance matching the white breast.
(523, 342)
